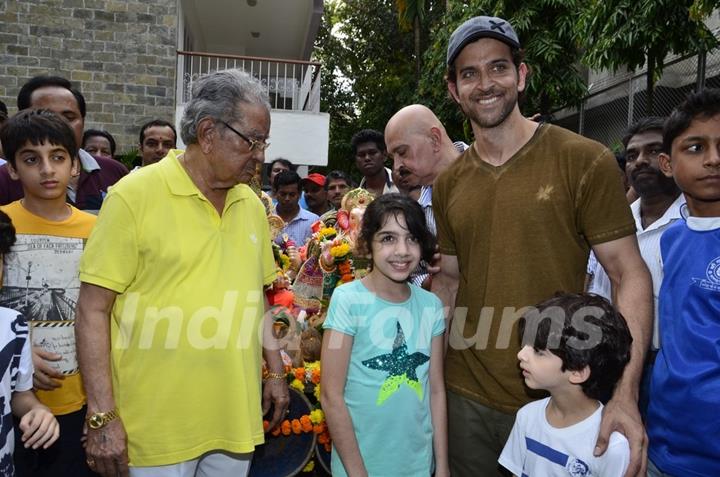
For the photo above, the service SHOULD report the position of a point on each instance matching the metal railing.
(290, 84)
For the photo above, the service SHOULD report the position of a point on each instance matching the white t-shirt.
(536, 449)
(649, 243)
(16, 370)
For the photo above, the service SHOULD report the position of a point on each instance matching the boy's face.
(694, 162)
(542, 369)
(44, 170)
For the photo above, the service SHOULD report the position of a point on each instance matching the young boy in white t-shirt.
(38, 426)
(576, 348)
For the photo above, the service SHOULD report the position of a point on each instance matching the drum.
(285, 456)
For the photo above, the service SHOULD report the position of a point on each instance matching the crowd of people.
(509, 307)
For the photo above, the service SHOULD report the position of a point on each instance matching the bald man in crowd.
(420, 149)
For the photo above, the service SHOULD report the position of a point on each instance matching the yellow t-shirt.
(41, 281)
(521, 232)
(186, 349)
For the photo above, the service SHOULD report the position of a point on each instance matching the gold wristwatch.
(101, 419)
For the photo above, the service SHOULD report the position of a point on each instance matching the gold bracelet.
(282, 376)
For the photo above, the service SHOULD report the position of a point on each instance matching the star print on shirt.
(401, 368)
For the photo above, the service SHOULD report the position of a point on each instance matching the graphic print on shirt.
(574, 466)
(400, 366)
(9, 364)
(712, 283)
(42, 283)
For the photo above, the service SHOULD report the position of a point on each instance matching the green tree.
(368, 69)
(546, 31)
(336, 95)
(631, 33)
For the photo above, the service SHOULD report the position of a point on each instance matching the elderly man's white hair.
(217, 95)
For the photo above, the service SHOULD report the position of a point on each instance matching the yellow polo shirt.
(186, 347)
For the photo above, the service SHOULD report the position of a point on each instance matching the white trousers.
(212, 464)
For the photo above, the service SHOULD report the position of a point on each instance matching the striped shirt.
(299, 229)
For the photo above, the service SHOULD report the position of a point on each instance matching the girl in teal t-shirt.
(382, 385)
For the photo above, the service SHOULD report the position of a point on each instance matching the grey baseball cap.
(480, 27)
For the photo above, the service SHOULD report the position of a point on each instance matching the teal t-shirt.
(387, 390)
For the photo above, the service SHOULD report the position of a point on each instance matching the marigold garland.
(313, 422)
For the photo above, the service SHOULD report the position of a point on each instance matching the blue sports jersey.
(684, 412)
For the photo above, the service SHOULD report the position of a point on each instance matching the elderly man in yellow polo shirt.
(169, 323)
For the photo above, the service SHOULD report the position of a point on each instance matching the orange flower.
(296, 427)
(299, 374)
(266, 426)
(318, 428)
(275, 432)
(323, 438)
(346, 278)
(328, 447)
(315, 376)
(306, 424)
(344, 267)
(285, 428)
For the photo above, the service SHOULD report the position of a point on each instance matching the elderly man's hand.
(107, 450)
(276, 392)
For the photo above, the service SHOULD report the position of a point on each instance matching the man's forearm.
(270, 344)
(445, 287)
(634, 300)
(92, 333)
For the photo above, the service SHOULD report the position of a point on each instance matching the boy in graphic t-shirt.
(37, 426)
(41, 278)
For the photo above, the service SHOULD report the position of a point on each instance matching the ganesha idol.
(339, 258)
(331, 258)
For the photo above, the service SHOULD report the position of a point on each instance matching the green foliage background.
(381, 55)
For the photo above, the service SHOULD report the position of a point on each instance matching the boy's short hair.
(582, 330)
(367, 135)
(36, 126)
(704, 104)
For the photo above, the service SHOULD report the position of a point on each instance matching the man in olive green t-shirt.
(517, 215)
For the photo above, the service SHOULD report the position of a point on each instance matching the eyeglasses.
(255, 144)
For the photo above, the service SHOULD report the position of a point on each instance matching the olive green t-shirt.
(521, 232)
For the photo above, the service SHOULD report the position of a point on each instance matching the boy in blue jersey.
(683, 420)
